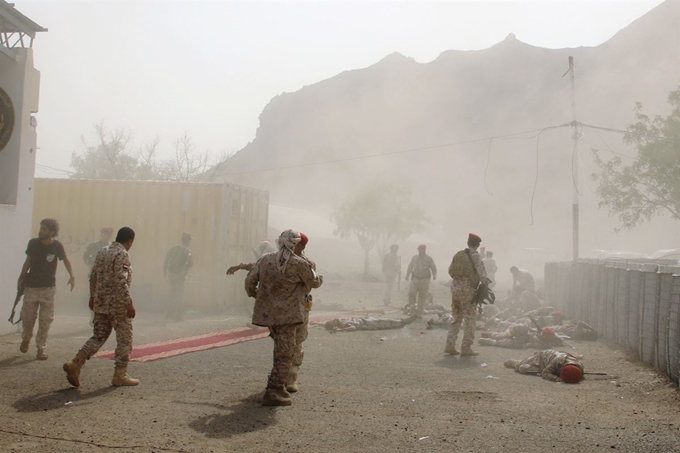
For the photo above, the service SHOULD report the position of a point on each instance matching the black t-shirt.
(43, 263)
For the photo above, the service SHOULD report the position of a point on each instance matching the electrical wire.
(533, 192)
(609, 147)
(621, 131)
(391, 153)
(486, 170)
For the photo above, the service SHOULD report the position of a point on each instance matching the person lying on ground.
(368, 323)
(551, 365)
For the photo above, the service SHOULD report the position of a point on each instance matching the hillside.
(399, 104)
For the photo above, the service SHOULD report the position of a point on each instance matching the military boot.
(451, 349)
(72, 369)
(292, 384)
(276, 396)
(41, 354)
(121, 378)
(467, 351)
(24, 346)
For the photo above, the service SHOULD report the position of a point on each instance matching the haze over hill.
(486, 186)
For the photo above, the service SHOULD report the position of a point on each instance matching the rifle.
(482, 293)
(20, 293)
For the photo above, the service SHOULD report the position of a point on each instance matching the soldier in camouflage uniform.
(38, 282)
(280, 283)
(551, 365)
(467, 271)
(111, 302)
(420, 270)
(391, 268)
(94, 247)
(301, 331)
(178, 261)
(368, 323)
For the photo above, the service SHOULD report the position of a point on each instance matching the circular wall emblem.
(6, 119)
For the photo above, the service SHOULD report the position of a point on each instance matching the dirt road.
(362, 391)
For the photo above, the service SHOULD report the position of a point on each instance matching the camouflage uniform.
(38, 304)
(110, 286)
(548, 364)
(463, 287)
(491, 268)
(516, 336)
(580, 331)
(371, 323)
(391, 268)
(281, 304)
(91, 252)
(302, 331)
(523, 281)
(178, 261)
(420, 270)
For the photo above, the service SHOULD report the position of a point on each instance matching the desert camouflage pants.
(463, 311)
(284, 349)
(103, 324)
(38, 305)
(176, 307)
(419, 288)
(301, 332)
(389, 284)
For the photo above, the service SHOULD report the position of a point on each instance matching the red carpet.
(171, 348)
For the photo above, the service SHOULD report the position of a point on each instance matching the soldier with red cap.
(467, 272)
(419, 271)
(551, 365)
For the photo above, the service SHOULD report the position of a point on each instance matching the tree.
(377, 214)
(186, 164)
(113, 157)
(650, 185)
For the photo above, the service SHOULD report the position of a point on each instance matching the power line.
(392, 153)
(55, 169)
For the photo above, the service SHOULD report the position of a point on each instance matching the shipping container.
(227, 223)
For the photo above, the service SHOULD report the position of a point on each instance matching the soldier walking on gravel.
(280, 283)
(391, 268)
(178, 262)
(420, 270)
(111, 302)
(467, 271)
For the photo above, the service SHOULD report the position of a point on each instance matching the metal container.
(227, 223)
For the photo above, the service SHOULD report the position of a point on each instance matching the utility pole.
(574, 165)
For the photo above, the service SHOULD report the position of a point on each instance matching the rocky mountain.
(506, 187)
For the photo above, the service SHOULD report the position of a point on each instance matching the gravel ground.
(361, 391)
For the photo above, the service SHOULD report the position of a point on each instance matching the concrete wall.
(21, 81)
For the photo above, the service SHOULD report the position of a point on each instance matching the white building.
(19, 88)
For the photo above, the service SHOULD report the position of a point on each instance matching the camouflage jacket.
(391, 264)
(110, 280)
(550, 363)
(462, 272)
(421, 267)
(280, 297)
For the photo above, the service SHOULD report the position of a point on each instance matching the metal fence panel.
(674, 331)
(622, 302)
(635, 291)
